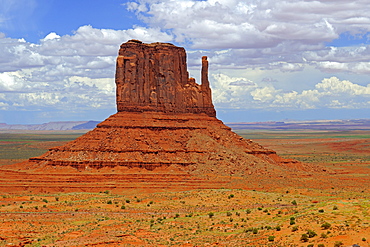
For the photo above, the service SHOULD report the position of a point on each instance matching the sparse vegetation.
(237, 219)
(326, 225)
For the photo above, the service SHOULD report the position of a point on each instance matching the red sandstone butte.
(154, 77)
(165, 126)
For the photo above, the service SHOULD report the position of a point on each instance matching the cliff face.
(154, 77)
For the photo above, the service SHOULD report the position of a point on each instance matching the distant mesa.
(165, 126)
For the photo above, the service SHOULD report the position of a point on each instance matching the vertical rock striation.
(154, 77)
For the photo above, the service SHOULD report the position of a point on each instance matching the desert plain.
(330, 207)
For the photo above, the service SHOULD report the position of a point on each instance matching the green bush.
(271, 238)
(294, 202)
(295, 228)
(211, 214)
(304, 237)
(311, 233)
(326, 225)
(338, 243)
(321, 245)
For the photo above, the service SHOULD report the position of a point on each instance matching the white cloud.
(287, 35)
(11, 81)
(333, 86)
(330, 93)
(65, 72)
(262, 54)
(254, 24)
(51, 36)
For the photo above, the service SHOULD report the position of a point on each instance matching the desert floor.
(295, 215)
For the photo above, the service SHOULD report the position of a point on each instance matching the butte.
(165, 134)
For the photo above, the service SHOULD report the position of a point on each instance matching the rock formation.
(165, 123)
(154, 77)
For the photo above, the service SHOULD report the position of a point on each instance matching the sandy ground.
(328, 208)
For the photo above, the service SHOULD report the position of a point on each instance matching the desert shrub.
(321, 245)
(177, 216)
(324, 235)
(211, 214)
(363, 239)
(310, 245)
(294, 202)
(265, 211)
(326, 225)
(57, 199)
(127, 201)
(229, 214)
(304, 237)
(109, 202)
(321, 210)
(335, 208)
(259, 208)
(278, 228)
(338, 243)
(231, 196)
(311, 233)
(248, 211)
(295, 228)
(44, 200)
(237, 214)
(123, 207)
(255, 231)
(271, 238)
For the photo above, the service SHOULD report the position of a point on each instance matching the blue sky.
(269, 60)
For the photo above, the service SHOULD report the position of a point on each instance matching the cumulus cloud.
(287, 35)
(71, 71)
(329, 93)
(254, 24)
(255, 48)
